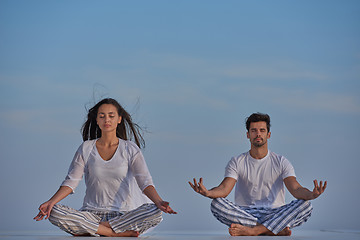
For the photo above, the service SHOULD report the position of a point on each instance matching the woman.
(116, 176)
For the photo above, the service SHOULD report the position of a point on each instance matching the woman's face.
(108, 118)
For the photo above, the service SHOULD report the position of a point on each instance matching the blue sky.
(190, 72)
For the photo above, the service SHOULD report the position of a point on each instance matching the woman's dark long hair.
(126, 130)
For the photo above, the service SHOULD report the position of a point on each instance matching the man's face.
(258, 134)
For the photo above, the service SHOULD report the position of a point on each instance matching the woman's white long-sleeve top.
(113, 185)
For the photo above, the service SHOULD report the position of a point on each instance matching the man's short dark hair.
(258, 117)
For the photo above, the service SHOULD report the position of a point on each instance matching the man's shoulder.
(240, 157)
(276, 155)
(280, 159)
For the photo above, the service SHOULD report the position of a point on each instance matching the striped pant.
(78, 222)
(274, 219)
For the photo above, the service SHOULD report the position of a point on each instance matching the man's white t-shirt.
(113, 185)
(259, 181)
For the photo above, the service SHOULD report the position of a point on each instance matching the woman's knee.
(73, 222)
(56, 213)
(150, 208)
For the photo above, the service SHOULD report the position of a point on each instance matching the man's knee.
(307, 206)
(303, 208)
(304, 204)
(219, 205)
(218, 201)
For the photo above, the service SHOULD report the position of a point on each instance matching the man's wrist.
(207, 194)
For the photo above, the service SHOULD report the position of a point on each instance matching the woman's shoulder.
(89, 142)
(86, 146)
(129, 146)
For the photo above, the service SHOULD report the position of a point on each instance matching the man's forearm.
(303, 193)
(217, 192)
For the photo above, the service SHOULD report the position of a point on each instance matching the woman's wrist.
(158, 202)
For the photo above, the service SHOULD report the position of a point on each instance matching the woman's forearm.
(152, 194)
(62, 193)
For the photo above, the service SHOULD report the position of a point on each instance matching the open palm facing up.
(318, 188)
(199, 187)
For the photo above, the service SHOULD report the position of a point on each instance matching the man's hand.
(199, 187)
(318, 189)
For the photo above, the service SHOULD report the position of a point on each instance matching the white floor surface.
(297, 235)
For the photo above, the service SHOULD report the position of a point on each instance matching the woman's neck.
(108, 139)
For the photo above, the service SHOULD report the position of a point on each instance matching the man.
(260, 176)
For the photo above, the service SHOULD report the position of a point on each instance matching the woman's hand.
(152, 194)
(165, 207)
(44, 210)
(46, 207)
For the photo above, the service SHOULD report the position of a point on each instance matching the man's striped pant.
(78, 222)
(274, 219)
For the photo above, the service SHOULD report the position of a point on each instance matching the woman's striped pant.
(274, 219)
(78, 222)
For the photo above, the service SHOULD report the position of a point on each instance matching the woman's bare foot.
(105, 230)
(82, 235)
(127, 234)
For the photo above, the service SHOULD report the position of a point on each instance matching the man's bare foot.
(285, 232)
(240, 230)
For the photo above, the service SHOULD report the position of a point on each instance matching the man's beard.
(259, 144)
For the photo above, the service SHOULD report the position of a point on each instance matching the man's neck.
(258, 152)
